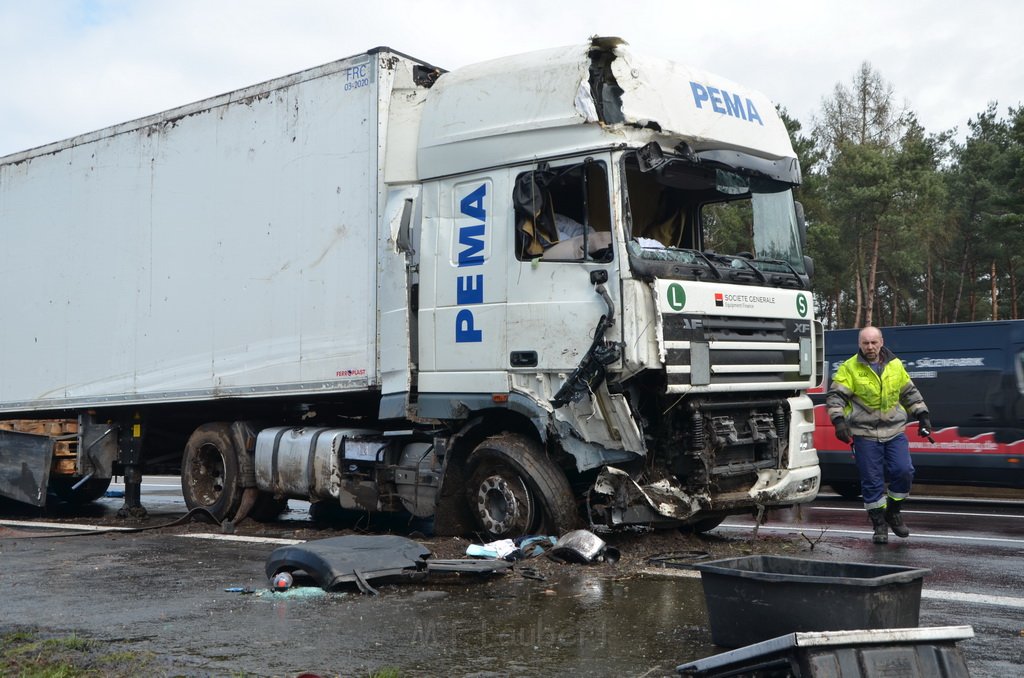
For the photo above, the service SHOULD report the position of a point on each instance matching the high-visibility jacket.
(875, 405)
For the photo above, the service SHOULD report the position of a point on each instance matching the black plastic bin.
(755, 598)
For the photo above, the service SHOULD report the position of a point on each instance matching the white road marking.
(921, 512)
(834, 530)
(931, 594)
(62, 526)
(149, 486)
(239, 537)
(977, 598)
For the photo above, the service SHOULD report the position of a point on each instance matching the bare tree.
(860, 126)
(863, 113)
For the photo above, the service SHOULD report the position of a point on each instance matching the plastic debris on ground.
(495, 549)
(282, 581)
(520, 548)
(578, 546)
(357, 559)
(583, 546)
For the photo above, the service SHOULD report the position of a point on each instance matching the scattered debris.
(814, 542)
(583, 546)
(578, 546)
(282, 581)
(495, 549)
(512, 549)
(531, 573)
(532, 547)
(682, 560)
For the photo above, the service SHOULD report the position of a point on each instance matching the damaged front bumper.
(616, 500)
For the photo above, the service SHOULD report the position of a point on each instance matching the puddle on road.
(577, 624)
(589, 626)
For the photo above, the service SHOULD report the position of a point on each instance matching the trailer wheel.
(209, 472)
(515, 490)
(91, 490)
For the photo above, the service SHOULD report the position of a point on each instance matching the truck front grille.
(728, 353)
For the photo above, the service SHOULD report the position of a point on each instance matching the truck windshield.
(688, 219)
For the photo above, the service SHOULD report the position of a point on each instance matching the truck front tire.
(515, 490)
(209, 472)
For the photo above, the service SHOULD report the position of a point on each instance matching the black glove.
(924, 425)
(842, 430)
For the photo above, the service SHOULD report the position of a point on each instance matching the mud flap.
(630, 503)
(25, 466)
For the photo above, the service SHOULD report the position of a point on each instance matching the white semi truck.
(503, 296)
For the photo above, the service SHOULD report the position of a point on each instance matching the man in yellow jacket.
(868, 403)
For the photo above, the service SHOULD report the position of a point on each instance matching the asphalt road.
(167, 593)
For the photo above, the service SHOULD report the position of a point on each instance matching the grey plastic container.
(756, 598)
(883, 653)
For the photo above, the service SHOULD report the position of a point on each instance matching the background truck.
(972, 378)
(549, 288)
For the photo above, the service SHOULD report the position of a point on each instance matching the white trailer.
(351, 285)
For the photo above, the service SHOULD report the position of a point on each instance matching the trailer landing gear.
(131, 445)
(132, 507)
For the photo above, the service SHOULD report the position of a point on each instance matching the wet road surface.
(165, 593)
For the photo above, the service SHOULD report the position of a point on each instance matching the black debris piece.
(358, 559)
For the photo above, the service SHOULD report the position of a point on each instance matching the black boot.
(877, 516)
(895, 520)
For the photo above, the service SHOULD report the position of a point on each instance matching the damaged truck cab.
(616, 259)
(548, 289)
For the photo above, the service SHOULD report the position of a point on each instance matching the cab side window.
(563, 213)
(659, 215)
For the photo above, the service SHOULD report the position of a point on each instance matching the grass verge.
(32, 653)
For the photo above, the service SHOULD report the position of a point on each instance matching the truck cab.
(614, 263)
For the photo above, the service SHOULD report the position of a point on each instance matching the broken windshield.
(693, 219)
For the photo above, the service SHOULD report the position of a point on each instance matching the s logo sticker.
(801, 305)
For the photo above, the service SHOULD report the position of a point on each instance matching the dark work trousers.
(880, 461)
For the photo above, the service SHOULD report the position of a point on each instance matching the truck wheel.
(91, 490)
(515, 490)
(209, 472)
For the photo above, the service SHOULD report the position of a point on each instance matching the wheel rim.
(504, 504)
(208, 475)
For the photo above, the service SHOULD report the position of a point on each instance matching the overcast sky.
(72, 66)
